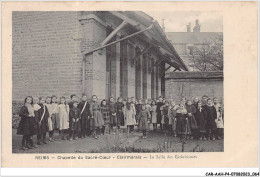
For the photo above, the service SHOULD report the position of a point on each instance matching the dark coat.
(200, 117)
(85, 115)
(158, 111)
(119, 113)
(211, 117)
(28, 125)
(112, 112)
(43, 125)
(74, 115)
(183, 125)
(143, 119)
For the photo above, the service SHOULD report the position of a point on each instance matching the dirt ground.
(156, 141)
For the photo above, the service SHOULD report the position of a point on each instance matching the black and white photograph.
(117, 81)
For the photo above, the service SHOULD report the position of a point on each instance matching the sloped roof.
(193, 37)
(156, 33)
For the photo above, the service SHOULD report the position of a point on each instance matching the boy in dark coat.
(158, 111)
(43, 116)
(200, 116)
(84, 108)
(74, 121)
(211, 126)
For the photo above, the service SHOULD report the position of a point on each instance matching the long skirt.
(143, 123)
(174, 123)
(97, 120)
(193, 123)
(113, 120)
(75, 126)
(28, 126)
(159, 118)
(55, 121)
(154, 117)
(183, 126)
(120, 118)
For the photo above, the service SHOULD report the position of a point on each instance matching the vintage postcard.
(129, 84)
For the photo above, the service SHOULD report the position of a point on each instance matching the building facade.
(95, 53)
(188, 43)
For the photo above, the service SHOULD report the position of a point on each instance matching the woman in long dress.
(130, 113)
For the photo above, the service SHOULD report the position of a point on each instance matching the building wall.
(46, 54)
(176, 88)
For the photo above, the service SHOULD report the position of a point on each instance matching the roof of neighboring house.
(195, 75)
(156, 34)
(194, 37)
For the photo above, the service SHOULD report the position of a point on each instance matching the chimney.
(163, 28)
(197, 26)
(188, 28)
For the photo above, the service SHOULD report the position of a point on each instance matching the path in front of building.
(88, 145)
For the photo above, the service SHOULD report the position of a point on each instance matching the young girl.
(64, 117)
(106, 116)
(219, 122)
(211, 126)
(120, 112)
(43, 114)
(159, 113)
(154, 115)
(112, 111)
(134, 102)
(183, 127)
(54, 115)
(193, 124)
(144, 115)
(165, 118)
(130, 113)
(50, 124)
(195, 102)
(148, 107)
(97, 120)
(172, 117)
(28, 124)
(200, 117)
(138, 108)
(74, 121)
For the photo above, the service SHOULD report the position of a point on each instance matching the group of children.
(188, 120)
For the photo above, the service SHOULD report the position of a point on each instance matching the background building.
(103, 53)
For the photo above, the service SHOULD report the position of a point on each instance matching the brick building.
(194, 84)
(186, 43)
(103, 53)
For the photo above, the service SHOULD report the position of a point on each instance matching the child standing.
(43, 121)
(172, 117)
(138, 108)
(200, 117)
(158, 111)
(183, 126)
(219, 122)
(50, 124)
(74, 121)
(120, 112)
(154, 115)
(112, 111)
(64, 117)
(85, 114)
(106, 116)
(130, 113)
(191, 109)
(54, 115)
(211, 126)
(165, 118)
(28, 125)
(195, 102)
(149, 108)
(97, 121)
(144, 115)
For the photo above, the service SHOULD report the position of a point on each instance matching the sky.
(210, 21)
